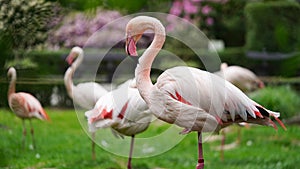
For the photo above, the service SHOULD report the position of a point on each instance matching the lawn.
(62, 143)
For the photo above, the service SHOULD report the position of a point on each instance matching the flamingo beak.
(130, 46)
(70, 58)
(261, 85)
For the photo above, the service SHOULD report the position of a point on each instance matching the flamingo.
(84, 94)
(191, 98)
(123, 110)
(241, 77)
(24, 105)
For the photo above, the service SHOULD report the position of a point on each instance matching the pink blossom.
(189, 7)
(206, 9)
(176, 8)
(209, 21)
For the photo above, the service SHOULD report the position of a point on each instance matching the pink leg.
(93, 146)
(24, 134)
(32, 135)
(130, 152)
(200, 164)
(222, 145)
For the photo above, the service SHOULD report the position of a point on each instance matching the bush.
(273, 26)
(282, 99)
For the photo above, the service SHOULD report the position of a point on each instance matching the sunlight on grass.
(62, 143)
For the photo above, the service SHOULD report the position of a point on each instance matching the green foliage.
(282, 99)
(62, 143)
(273, 26)
(25, 24)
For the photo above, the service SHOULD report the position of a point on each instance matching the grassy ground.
(62, 143)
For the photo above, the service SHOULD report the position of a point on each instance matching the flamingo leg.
(24, 134)
(200, 164)
(93, 146)
(32, 134)
(222, 145)
(130, 152)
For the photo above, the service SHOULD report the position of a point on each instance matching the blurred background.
(261, 35)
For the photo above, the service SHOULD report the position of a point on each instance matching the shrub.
(273, 26)
(282, 99)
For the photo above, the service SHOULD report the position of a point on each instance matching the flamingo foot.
(200, 164)
(185, 131)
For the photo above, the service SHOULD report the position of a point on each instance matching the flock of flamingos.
(191, 98)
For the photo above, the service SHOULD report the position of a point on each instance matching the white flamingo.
(123, 110)
(24, 105)
(193, 99)
(83, 94)
(246, 81)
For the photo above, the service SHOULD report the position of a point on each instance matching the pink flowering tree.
(200, 12)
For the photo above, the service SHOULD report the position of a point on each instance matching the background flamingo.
(123, 110)
(24, 105)
(193, 99)
(83, 94)
(246, 81)
(241, 77)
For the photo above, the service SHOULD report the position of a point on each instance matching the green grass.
(62, 143)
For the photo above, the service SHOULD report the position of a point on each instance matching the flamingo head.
(41, 114)
(134, 31)
(11, 72)
(73, 54)
(260, 84)
(131, 44)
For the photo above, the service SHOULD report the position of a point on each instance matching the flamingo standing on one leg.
(24, 105)
(246, 81)
(84, 94)
(123, 110)
(188, 97)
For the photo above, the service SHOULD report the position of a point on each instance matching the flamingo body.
(210, 103)
(26, 106)
(122, 109)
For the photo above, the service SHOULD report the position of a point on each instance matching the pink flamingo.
(84, 94)
(193, 99)
(246, 81)
(24, 105)
(124, 111)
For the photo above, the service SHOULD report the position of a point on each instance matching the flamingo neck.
(142, 71)
(12, 84)
(78, 61)
(69, 82)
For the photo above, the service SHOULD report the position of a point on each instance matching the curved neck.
(12, 84)
(78, 61)
(142, 71)
(69, 82)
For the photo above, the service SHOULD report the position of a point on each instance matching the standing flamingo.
(193, 99)
(24, 105)
(123, 110)
(246, 81)
(84, 94)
